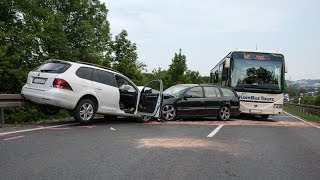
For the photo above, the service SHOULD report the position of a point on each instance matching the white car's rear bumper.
(55, 97)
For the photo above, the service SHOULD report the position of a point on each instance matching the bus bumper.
(260, 108)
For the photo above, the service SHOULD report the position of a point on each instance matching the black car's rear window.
(227, 92)
(53, 67)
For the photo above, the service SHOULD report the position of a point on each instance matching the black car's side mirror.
(186, 96)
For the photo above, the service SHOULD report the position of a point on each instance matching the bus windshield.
(257, 74)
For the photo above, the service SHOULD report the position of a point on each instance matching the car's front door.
(150, 99)
(192, 103)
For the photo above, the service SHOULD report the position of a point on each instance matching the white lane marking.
(11, 138)
(303, 120)
(215, 131)
(36, 129)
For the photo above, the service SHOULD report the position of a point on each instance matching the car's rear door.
(213, 100)
(150, 99)
(108, 94)
(231, 99)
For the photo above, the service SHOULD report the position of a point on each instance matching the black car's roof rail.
(100, 66)
(212, 84)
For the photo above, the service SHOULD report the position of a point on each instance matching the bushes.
(317, 101)
(308, 100)
(28, 114)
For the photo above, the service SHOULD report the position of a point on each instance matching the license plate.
(256, 111)
(39, 80)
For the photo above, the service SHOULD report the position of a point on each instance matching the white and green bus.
(257, 77)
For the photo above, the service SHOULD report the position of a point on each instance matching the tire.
(84, 111)
(48, 110)
(265, 117)
(169, 112)
(224, 113)
(146, 118)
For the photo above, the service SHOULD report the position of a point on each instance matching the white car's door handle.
(99, 88)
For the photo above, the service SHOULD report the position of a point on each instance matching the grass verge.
(308, 117)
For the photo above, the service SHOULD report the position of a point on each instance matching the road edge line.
(299, 118)
(215, 131)
(11, 138)
(36, 129)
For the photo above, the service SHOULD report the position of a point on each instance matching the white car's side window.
(103, 77)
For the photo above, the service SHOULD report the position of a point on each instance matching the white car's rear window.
(53, 67)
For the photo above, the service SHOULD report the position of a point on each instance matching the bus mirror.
(227, 63)
(285, 67)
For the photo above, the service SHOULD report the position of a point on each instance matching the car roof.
(87, 64)
(187, 85)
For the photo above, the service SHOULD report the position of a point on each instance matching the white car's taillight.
(61, 83)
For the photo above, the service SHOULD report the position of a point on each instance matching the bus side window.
(224, 79)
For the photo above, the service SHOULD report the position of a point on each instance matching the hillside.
(305, 83)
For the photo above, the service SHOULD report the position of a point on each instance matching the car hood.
(169, 99)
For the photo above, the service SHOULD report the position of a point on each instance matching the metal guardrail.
(303, 108)
(10, 100)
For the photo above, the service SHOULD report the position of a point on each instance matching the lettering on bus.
(256, 98)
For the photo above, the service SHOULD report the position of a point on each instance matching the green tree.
(205, 79)
(193, 77)
(126, 58)
(75, 30)
(177, 68)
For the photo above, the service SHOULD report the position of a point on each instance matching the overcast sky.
(206, 30)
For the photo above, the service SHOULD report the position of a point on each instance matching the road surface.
(281, 148)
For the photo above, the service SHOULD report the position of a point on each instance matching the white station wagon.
(86, 89)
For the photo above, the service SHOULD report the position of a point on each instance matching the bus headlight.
(278, 106)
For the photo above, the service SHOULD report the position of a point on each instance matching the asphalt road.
(281, 148)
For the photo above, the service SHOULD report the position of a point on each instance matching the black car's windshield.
(176, 90)
(257, 74)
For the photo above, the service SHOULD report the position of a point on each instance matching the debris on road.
(112, 129)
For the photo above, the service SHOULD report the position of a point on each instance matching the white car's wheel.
(169, 112)
(84, 111)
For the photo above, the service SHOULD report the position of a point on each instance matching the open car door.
(150, 99)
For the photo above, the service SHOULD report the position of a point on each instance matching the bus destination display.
(254, 56)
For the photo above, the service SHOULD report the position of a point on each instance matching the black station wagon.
(194, 100)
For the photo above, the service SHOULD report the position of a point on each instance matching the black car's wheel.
(84, 111)
(48, 110)
(169, 112)
(224, 113)
(143, 119)
(146, 118)
(265, 116)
